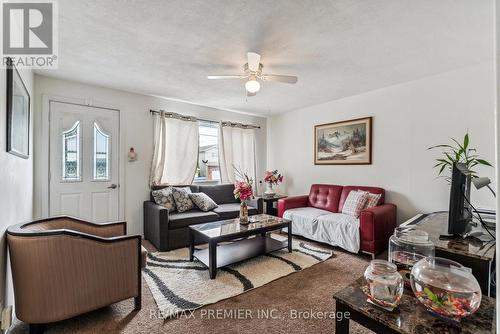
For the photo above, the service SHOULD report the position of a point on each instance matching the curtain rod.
(188, 118)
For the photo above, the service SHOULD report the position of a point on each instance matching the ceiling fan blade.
(251, 94)
(253, 61)
(216, 77)
(291, 79)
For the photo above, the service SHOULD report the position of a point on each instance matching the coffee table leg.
(191, 245)
(212, 259)
(290, 237)
(341, 319)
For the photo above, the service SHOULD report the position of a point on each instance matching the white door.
(84, 146)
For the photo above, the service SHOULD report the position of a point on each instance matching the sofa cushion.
(221, 193)
(355, 202)
(232, 210)
(182, 200)
(335, 229)
(191, 217)
(347, 189)
(340, 230)
(305, 217)
(325, 197)
(203, 201)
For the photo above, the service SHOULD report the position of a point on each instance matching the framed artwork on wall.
(18, 114)
(343, 143)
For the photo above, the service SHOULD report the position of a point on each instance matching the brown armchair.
(63, 267)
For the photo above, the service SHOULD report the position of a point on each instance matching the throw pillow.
(355, 202)
(182, 200)
(203, 201)
(372, 200)
(164, 198)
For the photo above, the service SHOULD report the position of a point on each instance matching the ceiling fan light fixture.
(252, 86)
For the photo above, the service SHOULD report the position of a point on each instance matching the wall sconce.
(132, 156)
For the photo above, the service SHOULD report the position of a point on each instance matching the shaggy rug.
(179, 285)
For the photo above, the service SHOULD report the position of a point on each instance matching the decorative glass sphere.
(383, 284)
(446, 288)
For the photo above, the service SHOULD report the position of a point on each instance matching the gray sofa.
(167, 231)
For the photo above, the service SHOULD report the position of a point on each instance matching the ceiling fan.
(253, 73)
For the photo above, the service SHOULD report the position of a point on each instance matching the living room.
(184, 166)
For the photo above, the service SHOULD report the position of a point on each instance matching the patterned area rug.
(179, 286)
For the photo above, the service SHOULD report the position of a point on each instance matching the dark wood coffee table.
(241, 247)
(409, 317)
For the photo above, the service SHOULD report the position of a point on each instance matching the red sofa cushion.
(325, 197)
(347, 189)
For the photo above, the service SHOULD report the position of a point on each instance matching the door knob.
(113, 186)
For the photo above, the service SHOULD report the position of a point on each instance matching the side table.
(410, 317)
(269, 203)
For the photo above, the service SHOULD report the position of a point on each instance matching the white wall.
(408, 118)
(16, 186)
(136, 125)
(497, 133)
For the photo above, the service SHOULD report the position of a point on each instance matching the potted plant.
(272, 178)
(458, 152)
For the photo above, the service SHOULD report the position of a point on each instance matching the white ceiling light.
(253, 72)
(252, 86)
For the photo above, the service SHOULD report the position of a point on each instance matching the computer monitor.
(460, 213)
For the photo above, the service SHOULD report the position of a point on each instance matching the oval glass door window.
(71, 153)
(101, 154)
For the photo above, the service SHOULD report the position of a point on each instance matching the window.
(71, 153)
(208, 156)
(101, 154)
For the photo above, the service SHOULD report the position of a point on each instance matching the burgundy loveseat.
(376, 224)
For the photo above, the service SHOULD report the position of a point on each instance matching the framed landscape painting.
(18, 114)
(343, 143)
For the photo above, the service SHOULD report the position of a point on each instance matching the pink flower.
(273, 177)
(243, 190)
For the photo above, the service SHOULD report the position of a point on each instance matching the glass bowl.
(407, 246)
(446, 288)
(383, 284)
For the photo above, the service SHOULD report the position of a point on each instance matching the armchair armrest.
(258, 203)
(105, 230)
(155, 222)
(376, 225)
(291, 203)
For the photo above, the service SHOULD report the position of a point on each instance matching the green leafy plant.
(458, 152)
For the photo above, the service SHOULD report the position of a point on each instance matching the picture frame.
(343, 143)
(18, 114)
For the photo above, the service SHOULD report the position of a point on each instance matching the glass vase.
(244, 213)
(269, 190)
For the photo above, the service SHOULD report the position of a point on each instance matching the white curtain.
(175, 155)
(236, 148)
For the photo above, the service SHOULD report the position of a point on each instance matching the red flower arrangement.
(243, 191)
(273, 177)
(242, 188)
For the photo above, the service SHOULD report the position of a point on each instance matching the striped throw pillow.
(372, 200)
(355, 202)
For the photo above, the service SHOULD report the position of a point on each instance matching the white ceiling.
(337, 48)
